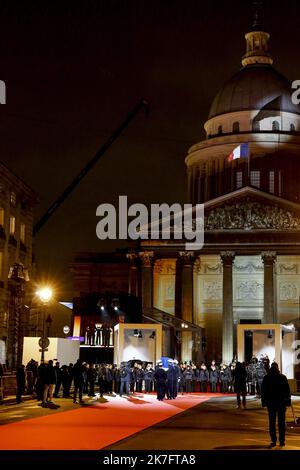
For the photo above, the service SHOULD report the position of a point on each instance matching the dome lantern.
(257, 41)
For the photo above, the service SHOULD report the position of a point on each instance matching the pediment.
(251, 209)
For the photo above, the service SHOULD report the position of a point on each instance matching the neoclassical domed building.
(249, 268)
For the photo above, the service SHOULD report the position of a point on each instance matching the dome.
(252, 88)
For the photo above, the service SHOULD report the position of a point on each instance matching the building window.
(2, 216)
(236, 127)
(272, 181)
(12, 225)
(255, 178)
(220, 130)
(275, 126)
(256, 126)
(292, 128)
(13, 198)
(23, 233)
(239, 179)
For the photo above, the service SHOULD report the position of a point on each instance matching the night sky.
(73, 70)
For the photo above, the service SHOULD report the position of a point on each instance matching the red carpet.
(94, 427)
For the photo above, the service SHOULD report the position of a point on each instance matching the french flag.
(242, 151)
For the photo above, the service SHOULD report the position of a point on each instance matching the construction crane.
(68, 190)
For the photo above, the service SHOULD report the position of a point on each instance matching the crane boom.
(55, 205)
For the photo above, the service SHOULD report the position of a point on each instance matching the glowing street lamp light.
(45, 294)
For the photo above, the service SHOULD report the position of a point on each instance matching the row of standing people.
(50, 379)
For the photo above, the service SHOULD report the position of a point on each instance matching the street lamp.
(45, 295)
(48, 321)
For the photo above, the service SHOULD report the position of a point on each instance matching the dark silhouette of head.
(274, 369)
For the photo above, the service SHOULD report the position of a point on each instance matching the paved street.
(213, 424)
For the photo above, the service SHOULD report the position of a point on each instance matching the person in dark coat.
(58, 379)
(40, 382)
(213, 377)
(240, 380)
(109, 378)
(116, 379)
(31, 367)
(276, 396)
(139, 377)
(21, 383)
(49, 383)
(161, 378)
(176, 365)
(71, 377)
(125, 374)
(266, 362)
(203, 378)
(91, 377)
(181, 384)
(148, 377)
(65, 380)
(78, 376)
(172, 381)
(188, 377)
(102, 380)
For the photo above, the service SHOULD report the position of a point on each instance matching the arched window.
(220, 130)
(256, 126)
(236, 127)
(275, 126)
(292, 128)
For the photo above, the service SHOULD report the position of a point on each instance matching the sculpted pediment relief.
(251, 215)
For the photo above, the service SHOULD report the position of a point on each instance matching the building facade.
(246, 173)
(17, 201)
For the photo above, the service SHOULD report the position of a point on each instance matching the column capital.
(268, 257)
(187, 257)
(147, 258)
(227, 257)
(132, 257)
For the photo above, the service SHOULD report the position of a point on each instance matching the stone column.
(187, 303)
(187, 285)
(178, 288)
(270, 315)
(207, 182)
(147, 278)
(227, 258)
(190, 184)
(133, 274)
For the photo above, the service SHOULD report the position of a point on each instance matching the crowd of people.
(48, 380)
(257, 377)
